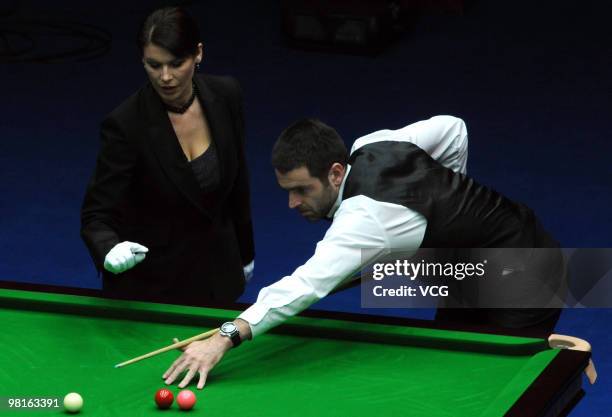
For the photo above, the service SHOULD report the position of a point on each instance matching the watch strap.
(235, 338)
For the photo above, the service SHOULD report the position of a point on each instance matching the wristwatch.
(229, 329)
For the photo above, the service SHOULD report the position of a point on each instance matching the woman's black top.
(206, 169)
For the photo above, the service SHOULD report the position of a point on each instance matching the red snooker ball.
(186, 399)
(164, 398)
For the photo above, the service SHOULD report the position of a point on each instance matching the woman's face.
(169, 75)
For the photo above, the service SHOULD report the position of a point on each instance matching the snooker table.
(322, 364)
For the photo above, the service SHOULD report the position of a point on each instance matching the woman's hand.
(123, 256)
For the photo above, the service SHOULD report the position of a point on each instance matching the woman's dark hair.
(309, 143)
(171, 28)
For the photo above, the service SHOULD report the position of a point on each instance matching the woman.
(166, 215)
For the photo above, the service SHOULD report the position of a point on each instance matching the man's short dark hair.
(309, 143)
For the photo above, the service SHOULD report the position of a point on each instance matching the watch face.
(228, 328)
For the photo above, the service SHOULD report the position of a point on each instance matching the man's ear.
(336, 174)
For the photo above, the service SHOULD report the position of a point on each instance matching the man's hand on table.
(202, 356)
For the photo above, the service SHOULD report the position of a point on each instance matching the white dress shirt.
(362, 229)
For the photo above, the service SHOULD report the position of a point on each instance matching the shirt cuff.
(254, 316)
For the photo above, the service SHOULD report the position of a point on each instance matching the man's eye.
(154, 65)
(177, 64)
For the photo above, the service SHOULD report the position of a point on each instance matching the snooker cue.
(209, 333)
(173, 346)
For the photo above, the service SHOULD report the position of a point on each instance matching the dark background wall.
(531, 80)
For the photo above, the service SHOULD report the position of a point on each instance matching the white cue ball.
(73, 402)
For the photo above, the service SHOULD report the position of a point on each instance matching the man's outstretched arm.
(336, 260)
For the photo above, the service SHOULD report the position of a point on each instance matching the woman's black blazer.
(143, 190)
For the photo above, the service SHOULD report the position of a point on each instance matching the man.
(401, 189)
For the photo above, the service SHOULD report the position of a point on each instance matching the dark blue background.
(532, 81)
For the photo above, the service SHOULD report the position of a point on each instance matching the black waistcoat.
(460, 212)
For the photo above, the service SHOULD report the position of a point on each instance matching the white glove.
(123, 256)
(248, 270)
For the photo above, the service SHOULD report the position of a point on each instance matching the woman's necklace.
(184, 107)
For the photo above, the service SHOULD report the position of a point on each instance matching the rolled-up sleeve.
(444, 138)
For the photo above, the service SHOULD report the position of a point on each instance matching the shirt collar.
(338, 201)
